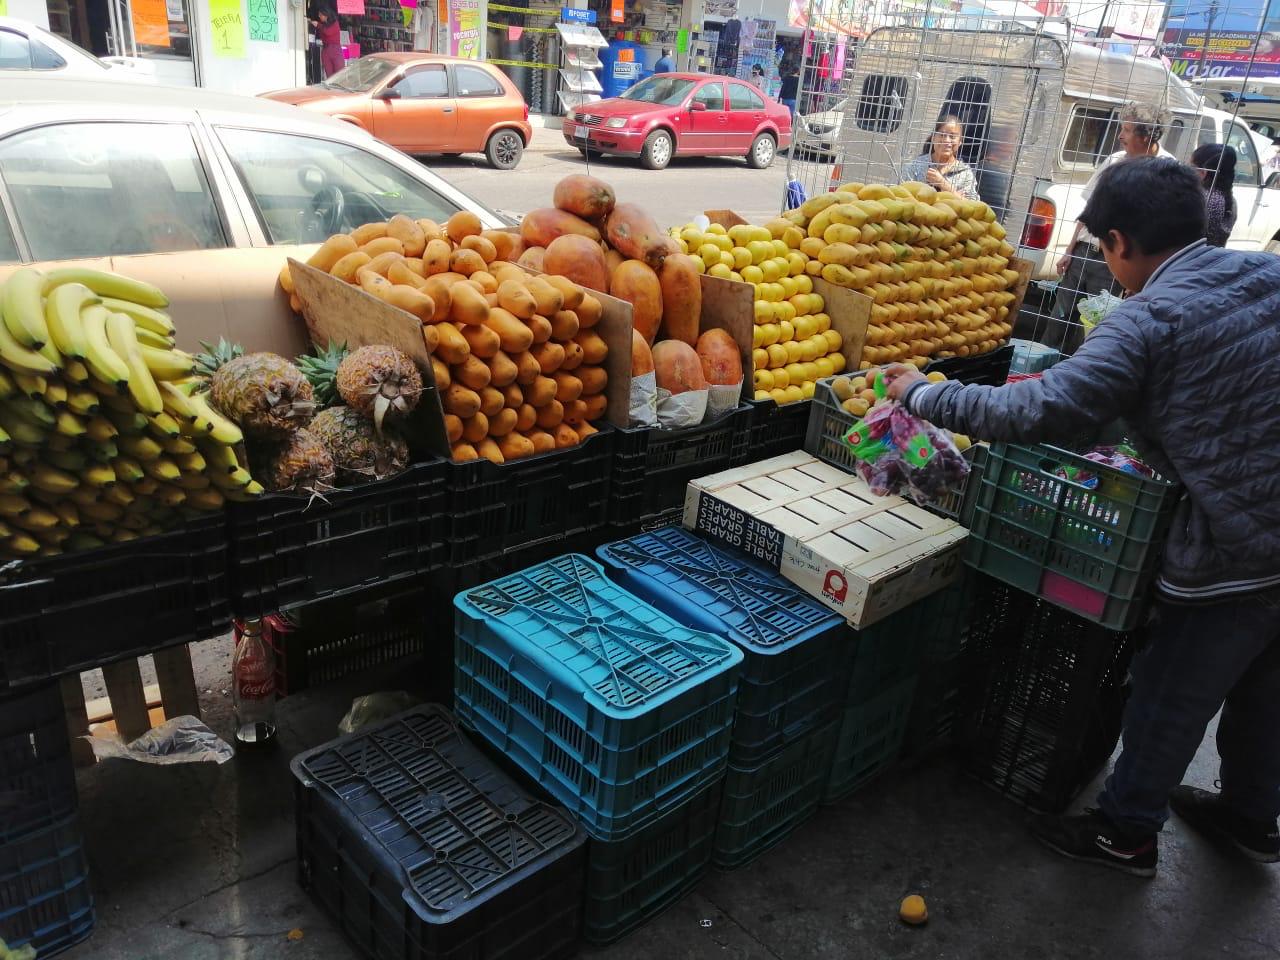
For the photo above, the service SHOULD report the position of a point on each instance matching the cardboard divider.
(850, 312)
(729, 305)
(1024, 268)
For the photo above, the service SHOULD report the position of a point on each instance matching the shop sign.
(464, 29)
(227, 21)
(615, 11)
(1230, 53)
(150, 22)
(264, 20)
(574, 15)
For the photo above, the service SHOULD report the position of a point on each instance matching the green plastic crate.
(763, 805)
(1091, 551)
(870, 739)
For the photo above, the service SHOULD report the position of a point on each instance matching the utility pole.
(1208, 33)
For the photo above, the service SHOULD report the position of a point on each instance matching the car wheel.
(762, 151)
(657, 151)
(504, 150)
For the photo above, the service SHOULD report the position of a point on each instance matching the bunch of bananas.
(104, 436)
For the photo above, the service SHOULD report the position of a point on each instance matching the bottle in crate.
(253, 686)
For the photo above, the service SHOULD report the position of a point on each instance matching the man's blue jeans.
(1196, 658)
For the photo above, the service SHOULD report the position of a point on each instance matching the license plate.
(580, 133)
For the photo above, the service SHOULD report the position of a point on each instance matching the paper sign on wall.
(4, 8)
(150, 22)
(264, 20)
(682, 41)
(227, 20)
(615, 11)
(351, 8)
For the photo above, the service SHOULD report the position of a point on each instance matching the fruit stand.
(621, 456)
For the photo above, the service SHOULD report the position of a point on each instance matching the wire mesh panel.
(1038, 98)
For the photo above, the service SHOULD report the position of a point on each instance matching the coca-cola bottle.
(253, 686)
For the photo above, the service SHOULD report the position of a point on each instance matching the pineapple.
(360, 452)
(378, 381)
(299, 463)
(213, 357)
(320, 368)
(264, 393)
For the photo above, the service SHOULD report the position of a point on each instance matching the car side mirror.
(388, 94)
(697, 106)
(1273, 181)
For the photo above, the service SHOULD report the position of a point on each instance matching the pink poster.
(351, 8)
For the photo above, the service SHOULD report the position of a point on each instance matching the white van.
(1039, 114)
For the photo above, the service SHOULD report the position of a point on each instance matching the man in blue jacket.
(1191, 361)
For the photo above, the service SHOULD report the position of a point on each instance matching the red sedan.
(683, 115)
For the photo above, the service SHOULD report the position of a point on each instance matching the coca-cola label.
(255, 678)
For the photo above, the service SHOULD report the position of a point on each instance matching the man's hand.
(899, 378)
(1063, 263)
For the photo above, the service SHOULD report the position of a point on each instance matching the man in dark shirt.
(665, 64)
(790, 88)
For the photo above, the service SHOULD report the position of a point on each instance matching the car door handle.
(446, 109)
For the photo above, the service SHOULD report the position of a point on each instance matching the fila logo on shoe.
(1104, 844)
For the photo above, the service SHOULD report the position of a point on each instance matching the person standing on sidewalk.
(1186, 362)
(788, 95)
(1082, 268)
(330, 36)
(665, 64)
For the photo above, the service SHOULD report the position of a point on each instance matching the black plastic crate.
(37, 780)
(45, 897)
(1044, 694)
(419, 847)
(991, 368)
(496, 509)
(652, 468)
(776, 429)
(82, 610)
(288, 550)
(629, 882)
(332, 639)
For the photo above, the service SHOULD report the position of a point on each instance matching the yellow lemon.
(795, 373)
(763, 380)
(719, 270)
(838, 362)
(761, 233)
(778, 356)
(692, 236)
(804, 284)
(788, 287)
(796, 262)
(726, 257)
(794, 393)
(757, 336)
(709, 252)
(698, 264)
(780, 248)
(763, 395)
(807, 389)
(823, 321)
(784, 311)
(741, 257)
(770, 270)
(778, 396)
(935, 377)
(780, 377)
(806, 327)
(771, 333)
(793, 237)
(740, 233)
(759, 358)
(723, 242)
(825, 368)
(752, 274)
(760, 251)
(788, 332)
(684, 247)
(833, 339)
(716, 228)
(735, 276)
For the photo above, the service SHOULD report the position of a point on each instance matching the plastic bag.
(644, 400)
(677, 410)
(374, 708)
(721, 399)
(898, 453)
(1095, 309)
(180, 740)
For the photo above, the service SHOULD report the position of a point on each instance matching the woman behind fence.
(1216, 164)
(940, 167)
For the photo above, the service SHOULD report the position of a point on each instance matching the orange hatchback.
(425, 103)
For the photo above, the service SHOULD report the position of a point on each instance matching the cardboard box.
(863, 556)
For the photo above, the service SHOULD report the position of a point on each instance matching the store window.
(1239, 140)
(475, 82)
(125, 187)
(881, 103)
(305, 188)
(424, 83)
(742, 97)
(160, 28)
(1091, 135)
(712, 95)
(18, 52)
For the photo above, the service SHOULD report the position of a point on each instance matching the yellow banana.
(119, 495)
(176, 402)
(123, 536)
(30, 384)
(193, 481)
(51, 537)
(144, 318)
(190, 463)
(142, 385)
(67, 513)
(37, 518)
(118, 404)
(127, 423)
(13, 505)
(178, 445)
(164, 426)
(103, 362)
(76, 370)
(56, 394)
(98, 475)
(62, 316)
(207, 498)
(236, 480)
(170, 495)
(167, 364)
(101, 429)
(108, 285)
(82, 401)
(23, 543)
(250, 490)
(23, 309)
(213, 424)
(70, 460)
(104, 451)
(138, 446)
(219, 458)
(5, 439)
(85, 494)
(8, 388)
(101, 511)
(51, 479)
(127, 470)
(13, 482)
(22, 359)
(149, 338)
(20, 430)
(33, 411)
(68, 424)
(146, 486)
(162, 469)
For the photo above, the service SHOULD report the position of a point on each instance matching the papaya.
(677, 367)
(641, 355)
(631, 231)
(612, 260)
(580, 260)
(540, 227)
(533, 258)
(721, 361)
(584, 196)
(681, 298)
(589, 311)
(637, 283)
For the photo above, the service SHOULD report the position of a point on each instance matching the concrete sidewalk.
(197, 863)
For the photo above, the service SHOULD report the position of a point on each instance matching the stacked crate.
(616, 710)
(420, 848)
(45, 900)
(786, 721)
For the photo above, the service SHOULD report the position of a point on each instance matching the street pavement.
(672, 196)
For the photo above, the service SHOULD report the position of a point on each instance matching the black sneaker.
(1206, 812)
(1093, 838)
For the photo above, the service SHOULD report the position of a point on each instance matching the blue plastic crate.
(619, 712)
(870, 739)
(420, 848)
(45, 899)
(789, 640)
(761, 806)
(629, 882)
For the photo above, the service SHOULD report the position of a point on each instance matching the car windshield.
(362, 75)
(667, 91)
